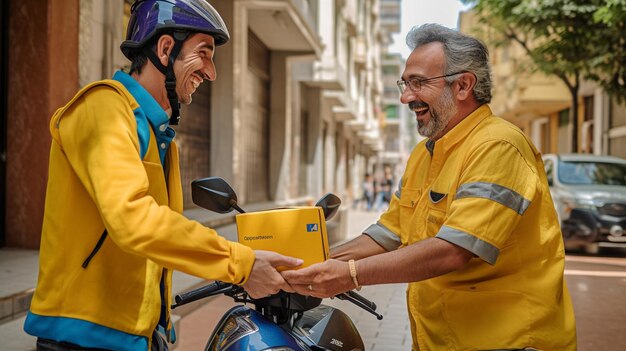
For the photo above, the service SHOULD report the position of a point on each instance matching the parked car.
(589, 194)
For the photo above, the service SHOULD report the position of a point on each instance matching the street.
(597, 285)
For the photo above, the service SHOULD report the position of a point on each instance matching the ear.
(164, 48)
(466, 83)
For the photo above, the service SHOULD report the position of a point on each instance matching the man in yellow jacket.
(472, 228)
(113, 229)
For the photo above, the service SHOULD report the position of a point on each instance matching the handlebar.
(360, 301)
(214, 288)
(217, 287)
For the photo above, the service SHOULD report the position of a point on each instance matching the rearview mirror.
(330, 205)
(214, 194)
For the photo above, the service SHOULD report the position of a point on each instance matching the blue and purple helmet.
(151, 18)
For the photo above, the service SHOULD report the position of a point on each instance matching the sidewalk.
(18, 276)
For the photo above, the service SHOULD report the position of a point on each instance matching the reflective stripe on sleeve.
(482, 249)
(494, 192)
(383, 236)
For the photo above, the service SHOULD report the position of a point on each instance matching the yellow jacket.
(484, 189)
(98, 180)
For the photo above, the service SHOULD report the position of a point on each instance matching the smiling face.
(441, 112)
(434, 104)
(194, 65)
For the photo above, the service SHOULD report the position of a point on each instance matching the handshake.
(325, 279)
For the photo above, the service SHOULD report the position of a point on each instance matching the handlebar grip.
(362, 300)
(202, 292)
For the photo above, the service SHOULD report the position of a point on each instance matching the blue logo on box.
(312, 227)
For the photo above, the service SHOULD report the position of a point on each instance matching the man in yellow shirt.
(472, 226)
(113, 227)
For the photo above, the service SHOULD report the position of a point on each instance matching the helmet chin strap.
(168, 71)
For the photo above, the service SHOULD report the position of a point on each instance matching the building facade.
(295, 111)
(399, 133)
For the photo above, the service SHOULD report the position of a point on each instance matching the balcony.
(360, 53)
(347, 112)
(328, 74)
(528, 97)
(357, 125)
(350, 15)
(343, 114)
(371, 138)
(284, 25)
(334, 97)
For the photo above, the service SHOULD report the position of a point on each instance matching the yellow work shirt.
(482, 187)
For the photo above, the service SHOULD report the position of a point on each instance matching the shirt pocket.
(408, 204)
(437, 211)
(156, 182)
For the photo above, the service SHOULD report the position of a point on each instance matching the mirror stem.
(236, 207)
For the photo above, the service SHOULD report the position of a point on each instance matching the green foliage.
(612, 12)
(572, 39)
(610, 59)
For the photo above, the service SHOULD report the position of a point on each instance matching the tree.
(570, 39)
(610, 59)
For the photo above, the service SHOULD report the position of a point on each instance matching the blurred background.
(305, 101)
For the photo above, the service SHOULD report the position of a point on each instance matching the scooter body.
(322, 328)
(243, 328)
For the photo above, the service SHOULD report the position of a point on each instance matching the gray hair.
(462, 54)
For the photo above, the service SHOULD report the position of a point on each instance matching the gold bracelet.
(352, 266)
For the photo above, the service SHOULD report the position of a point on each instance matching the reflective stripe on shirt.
(383, 236)
(471, 243)
(494, 192)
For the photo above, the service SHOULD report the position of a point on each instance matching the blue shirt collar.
(155, 114)
(150, 109)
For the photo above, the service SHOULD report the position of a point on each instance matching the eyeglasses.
(416, 84)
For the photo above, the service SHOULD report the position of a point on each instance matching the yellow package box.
(297, 232)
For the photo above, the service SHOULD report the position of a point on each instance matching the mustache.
(413, 105)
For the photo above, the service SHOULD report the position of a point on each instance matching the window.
(587, 173)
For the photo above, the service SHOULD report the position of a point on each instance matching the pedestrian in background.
(478, 243)
(386, 186)
(113, 228)
(367, 194)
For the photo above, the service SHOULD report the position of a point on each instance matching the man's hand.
(322, 280)
(264, 279)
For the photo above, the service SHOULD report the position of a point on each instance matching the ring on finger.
(310, 287)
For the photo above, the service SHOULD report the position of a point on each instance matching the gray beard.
(441, 113)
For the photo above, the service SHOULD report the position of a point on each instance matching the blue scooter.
(281, 322)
